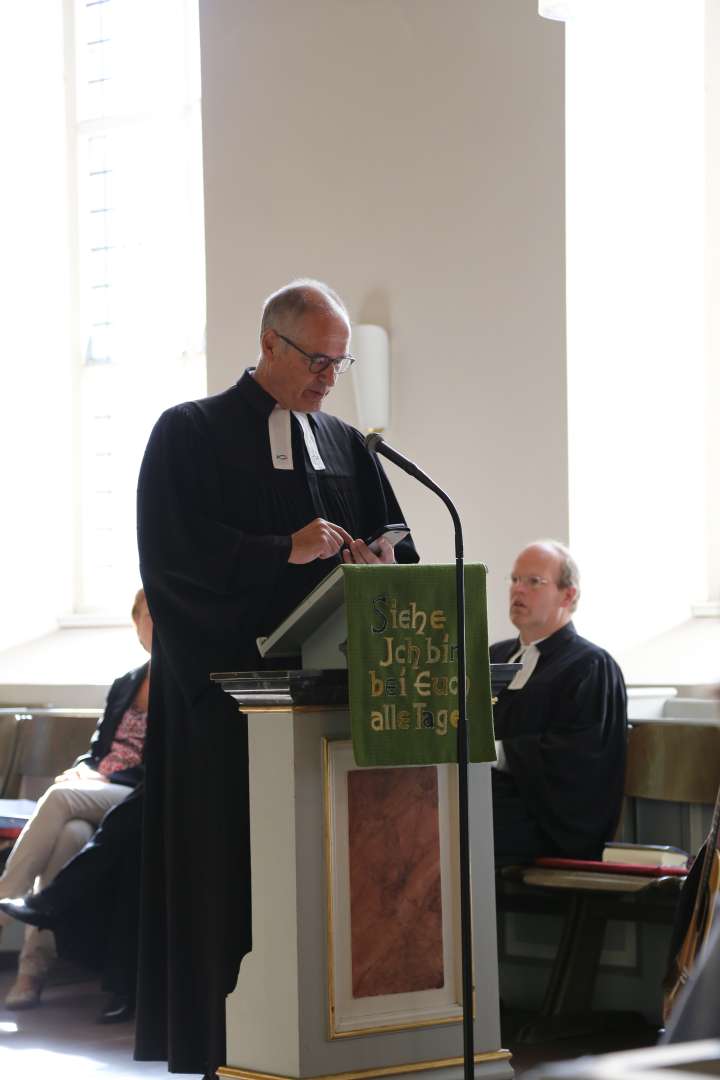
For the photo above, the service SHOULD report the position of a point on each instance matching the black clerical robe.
(214, 530)
(564, 737)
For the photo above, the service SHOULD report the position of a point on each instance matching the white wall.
(36, 498)
(411, 154)
(636, 366)
(712, 288)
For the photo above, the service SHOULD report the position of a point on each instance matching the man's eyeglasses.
(532, 581)
(318, 362)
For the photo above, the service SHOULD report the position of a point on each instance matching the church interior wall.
(712, 292)
(412, 155)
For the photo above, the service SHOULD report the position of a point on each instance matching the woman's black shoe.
(28, 910)
(117, 1010)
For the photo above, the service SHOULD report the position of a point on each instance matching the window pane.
(141, 249)
(135, 56)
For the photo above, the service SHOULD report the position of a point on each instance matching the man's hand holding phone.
(378, 548)
(319, 540)
(358, 551)
(322, 539)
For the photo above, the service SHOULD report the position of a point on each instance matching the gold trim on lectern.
(329, 914)
(233, 1073)
(265, 708)
(288, 708)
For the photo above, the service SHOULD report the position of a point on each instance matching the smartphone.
(392, 533)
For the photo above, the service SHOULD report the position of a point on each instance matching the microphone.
(375, 444)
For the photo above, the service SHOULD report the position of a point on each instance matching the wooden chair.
(38, 744)
(671, 762)
(48, 741)
(10, 721)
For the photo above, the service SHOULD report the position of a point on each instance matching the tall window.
(135, 115)
(636, 237)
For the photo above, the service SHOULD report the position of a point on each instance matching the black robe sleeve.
(183, 531)
(204, 576)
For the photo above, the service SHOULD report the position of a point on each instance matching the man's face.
(290, 380)
(538, 611)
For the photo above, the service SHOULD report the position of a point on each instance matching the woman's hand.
(79, 772)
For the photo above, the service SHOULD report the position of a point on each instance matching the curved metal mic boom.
(377, 445)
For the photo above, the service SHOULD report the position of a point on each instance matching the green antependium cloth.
(402, 664)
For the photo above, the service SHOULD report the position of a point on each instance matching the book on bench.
(14, 813)
(645, 854)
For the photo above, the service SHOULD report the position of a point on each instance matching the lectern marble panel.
(282, 1019)
(395, 883)
(414, 960)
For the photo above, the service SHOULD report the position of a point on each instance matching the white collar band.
(280, 432)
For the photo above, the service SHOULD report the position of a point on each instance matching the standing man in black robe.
(560, 725)
(246, 500)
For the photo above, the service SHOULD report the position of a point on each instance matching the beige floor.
(60, 1040)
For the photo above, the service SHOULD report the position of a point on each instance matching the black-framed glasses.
(532, 581)
(319, 362)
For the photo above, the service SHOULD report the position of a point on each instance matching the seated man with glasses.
(560, 725)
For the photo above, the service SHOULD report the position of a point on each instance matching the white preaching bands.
(279, 429)
(528, 656)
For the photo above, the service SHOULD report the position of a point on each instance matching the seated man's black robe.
(214, 530)
(564, 737)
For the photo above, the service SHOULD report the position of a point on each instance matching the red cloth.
(611, 867)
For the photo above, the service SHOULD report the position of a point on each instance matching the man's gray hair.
(569, 575)
(297, 299)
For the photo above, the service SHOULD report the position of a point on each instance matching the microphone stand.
(377, 445)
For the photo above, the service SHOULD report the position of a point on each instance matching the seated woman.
(71, 809)
(93, 906)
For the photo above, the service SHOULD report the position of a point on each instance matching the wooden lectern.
(355, 965)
